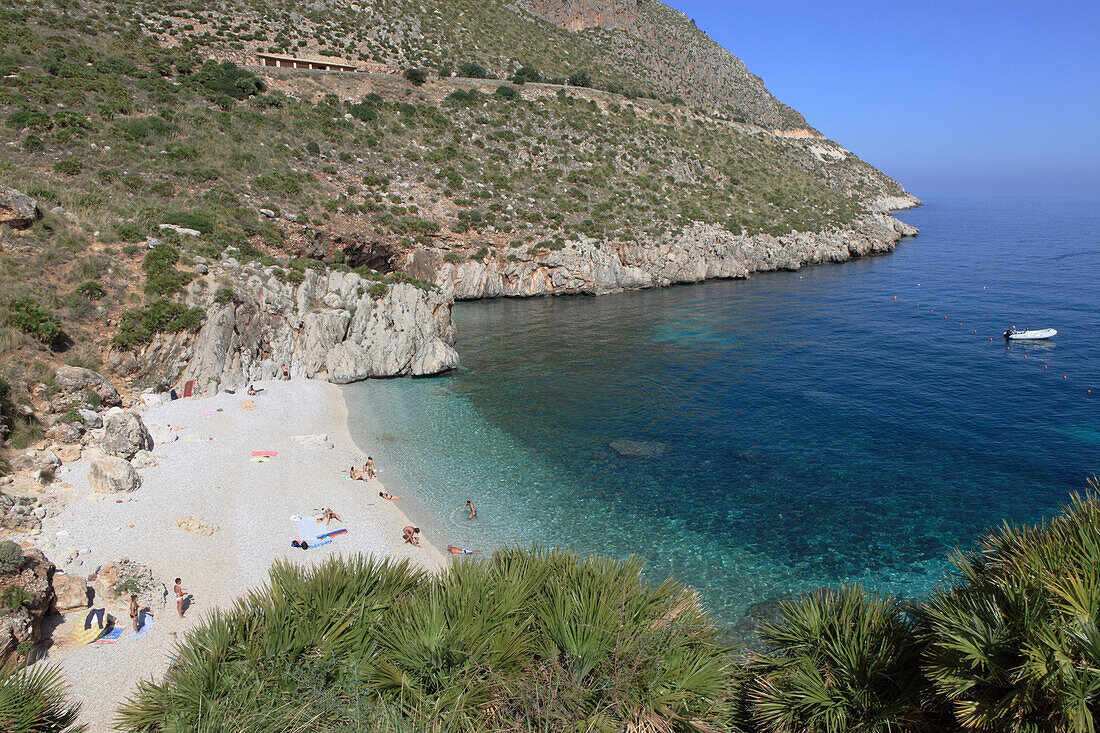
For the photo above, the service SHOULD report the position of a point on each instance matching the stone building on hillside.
(291, 62)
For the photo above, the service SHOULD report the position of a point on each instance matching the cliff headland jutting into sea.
(239, 202)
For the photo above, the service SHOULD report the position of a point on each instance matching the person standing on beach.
(286, 374)
(181, 593)
(369, 468)
(470, 506)
(135, 611)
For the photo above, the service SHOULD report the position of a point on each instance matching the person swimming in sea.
(461, 551)
(470, 506)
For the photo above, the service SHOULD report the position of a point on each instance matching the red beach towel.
(268, 453)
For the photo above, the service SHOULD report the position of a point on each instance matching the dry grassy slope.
(666, 49)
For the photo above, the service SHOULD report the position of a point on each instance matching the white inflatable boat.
(1015, 334)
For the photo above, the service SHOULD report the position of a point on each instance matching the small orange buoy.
(1044, 366)
(976, 330)
(1025, 356)
(1063, 376)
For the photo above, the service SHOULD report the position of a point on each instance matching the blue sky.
(947, 97)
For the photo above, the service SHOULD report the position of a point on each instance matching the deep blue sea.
(789, 431)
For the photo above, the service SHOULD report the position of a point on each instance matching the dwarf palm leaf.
(837, 661)
(526, 636)
(1013, 645)
(33, 700)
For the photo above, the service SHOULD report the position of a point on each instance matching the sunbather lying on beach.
(460, 551)
(409, 535)
(389, 497)
(328, 515)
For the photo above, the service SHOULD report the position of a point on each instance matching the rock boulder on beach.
(115, 581)
(70, 592)
(113, 475)
(125, 434)
(76, 382)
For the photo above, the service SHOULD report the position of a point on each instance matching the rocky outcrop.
(124, 434)
(330, 326)
(70, 592)
(113, 475)
(115, 581)
(17, 209)
(75, 383)
(702, 252)
(23, 622)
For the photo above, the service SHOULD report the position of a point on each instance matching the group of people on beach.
(366, 474)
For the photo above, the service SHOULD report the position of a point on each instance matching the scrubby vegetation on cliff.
(546, 640)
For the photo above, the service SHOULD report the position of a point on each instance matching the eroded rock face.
(76, 382)
(24, 622)
(328, 327)
(113, 475)
(702, 252)
(17, 209)
(124, 434)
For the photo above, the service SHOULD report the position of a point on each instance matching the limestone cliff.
(330, 326)
(699, 253)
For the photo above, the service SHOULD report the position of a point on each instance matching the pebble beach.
(204, 479)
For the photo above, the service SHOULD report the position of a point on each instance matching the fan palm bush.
(1015, 645)
(33, 700)
(526, 639)
(836, 660)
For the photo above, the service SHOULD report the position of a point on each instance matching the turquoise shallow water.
(786, 432)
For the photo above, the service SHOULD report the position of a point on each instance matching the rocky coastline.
(333, 325)
(701, 252)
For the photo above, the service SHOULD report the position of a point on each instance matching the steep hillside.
(665, 49)
(617, 147)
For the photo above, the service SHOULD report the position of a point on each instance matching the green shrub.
(226, 80)
(452, 257)
(69, 166)
(416, 77)
(34, 699)
(526, 74)
(14, 596)
(530, 635)
(474, 71)
(1015, 644)
(161, 275)
(378, 290)
(837, 661)
(142, 128)
(224, 295)
(364, 112)
(137, 327)
(481, 254)
(29, 119)
(463, 98)
(91, 290)
(506, 92)
(580, 79)
(26, 314)
(313, 148)
(11, 557)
